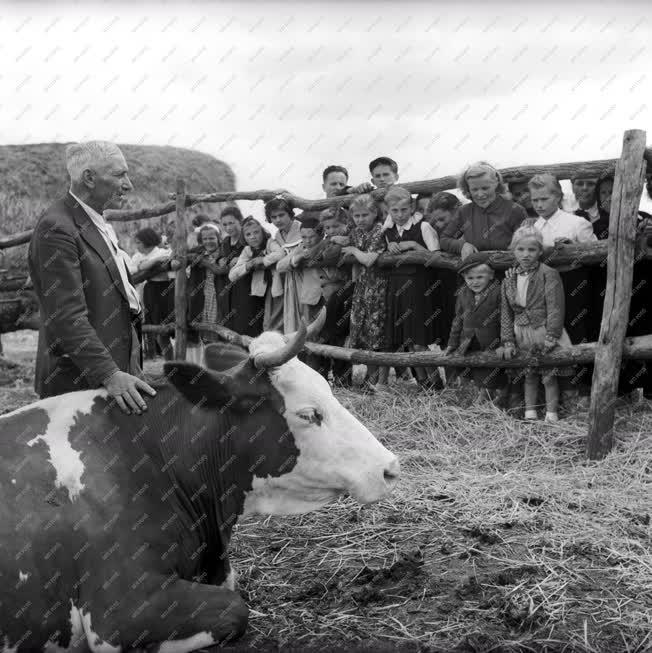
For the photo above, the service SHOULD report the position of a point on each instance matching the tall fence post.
(625, 200)
(181, 283)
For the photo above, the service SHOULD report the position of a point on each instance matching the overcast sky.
(280, 90)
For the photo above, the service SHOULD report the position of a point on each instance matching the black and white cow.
(114, 528)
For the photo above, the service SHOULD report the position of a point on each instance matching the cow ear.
(224, 356)
(197, 384)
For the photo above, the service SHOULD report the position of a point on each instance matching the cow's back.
(70, 505)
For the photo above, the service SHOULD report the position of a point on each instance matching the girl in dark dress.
(256, 263)
(243, 313)
(410, 287)
(440, 212)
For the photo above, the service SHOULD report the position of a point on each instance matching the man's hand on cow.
(124, 388)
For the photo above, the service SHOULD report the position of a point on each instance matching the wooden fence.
(620, 252)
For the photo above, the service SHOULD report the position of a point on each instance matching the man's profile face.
(111, 183)
(335, 182)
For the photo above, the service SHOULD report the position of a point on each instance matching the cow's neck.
(207, 481)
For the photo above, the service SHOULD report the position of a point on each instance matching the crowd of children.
(249, 280)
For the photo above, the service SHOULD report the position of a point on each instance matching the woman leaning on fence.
(489, 221)
(157, 293)
(242, 312)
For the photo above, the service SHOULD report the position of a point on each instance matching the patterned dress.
(368, 307)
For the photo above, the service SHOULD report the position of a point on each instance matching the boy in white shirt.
(559, 227)
(556, 226)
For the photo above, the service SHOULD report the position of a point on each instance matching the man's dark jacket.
(86, 329)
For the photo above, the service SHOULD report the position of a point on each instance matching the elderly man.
(90, 310)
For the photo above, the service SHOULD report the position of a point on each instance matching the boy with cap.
(476, 325)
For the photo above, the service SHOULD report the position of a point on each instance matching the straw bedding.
(500, 537)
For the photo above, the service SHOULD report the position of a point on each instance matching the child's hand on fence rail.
(506, 352)
(393, 248)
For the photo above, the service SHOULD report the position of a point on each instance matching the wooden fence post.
(625, 200)
(181, 282)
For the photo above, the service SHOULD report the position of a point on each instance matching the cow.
(114, 528)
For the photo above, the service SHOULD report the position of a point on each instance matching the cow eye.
(311, 415)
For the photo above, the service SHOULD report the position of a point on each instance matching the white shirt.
(565, 225)
(389, 223)
(428, 233)
(119, 256)
(522, 283)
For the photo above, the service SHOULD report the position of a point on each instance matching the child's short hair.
(583, 173)
(333, 214)
(148, 237)
(444, 201)
(383, 161)
(329, 169)
(397, 194)
(312, 223)
(278, 204)
(364, 201)
(479, 169)
(546, 180)
(206, 227)
(234, 212)
(200, 219)
(527, 231)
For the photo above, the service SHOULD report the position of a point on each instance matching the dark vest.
(414, 234)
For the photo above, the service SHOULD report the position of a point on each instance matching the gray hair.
(82, 156)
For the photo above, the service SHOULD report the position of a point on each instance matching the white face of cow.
(337, 453)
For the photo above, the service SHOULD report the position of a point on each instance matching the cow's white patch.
(189, 644)
(22, 577)
(229, 581)
(62, 412)
(82, 627)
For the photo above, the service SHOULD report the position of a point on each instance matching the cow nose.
(392, 471)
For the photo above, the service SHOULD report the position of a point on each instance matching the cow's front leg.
(180, 617)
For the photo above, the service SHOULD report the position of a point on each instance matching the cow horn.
(316, 325)
(291, 348)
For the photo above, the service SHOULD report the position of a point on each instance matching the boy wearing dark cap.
(584, 185)
(476, 325)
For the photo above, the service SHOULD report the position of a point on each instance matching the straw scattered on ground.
(500, 537)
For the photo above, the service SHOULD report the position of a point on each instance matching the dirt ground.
(501, 537)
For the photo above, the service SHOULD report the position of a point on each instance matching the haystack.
(35, 175)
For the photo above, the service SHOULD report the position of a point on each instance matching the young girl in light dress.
(532, 318)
